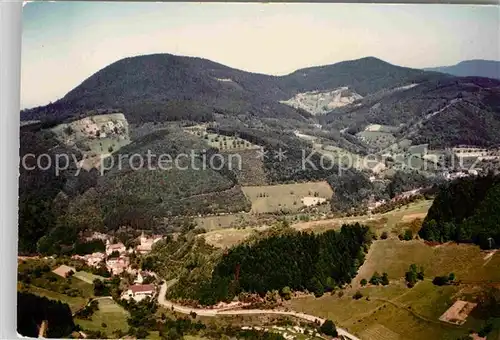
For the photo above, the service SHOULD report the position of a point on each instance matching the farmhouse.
(64, 270)
(139, 292)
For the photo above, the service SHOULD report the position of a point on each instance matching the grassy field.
(83, 134)
(88, 277)
(390, 222)
(226, 238)
(75, 303)
(342, 155)
(376, 138)
(397, 312)
(221, 142)
(466, 261)
(271, 198)
(224, 221)
(110, 313)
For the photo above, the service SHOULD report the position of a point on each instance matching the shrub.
(328, 328)
(358, 295)
(440, 280)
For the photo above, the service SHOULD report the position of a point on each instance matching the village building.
(146, 243)
(91, 259)
(111, 247)
(97, 236)
(117, 265)
(141, 275)
(139, 292)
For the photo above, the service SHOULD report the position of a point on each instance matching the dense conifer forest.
(466, 210)
(300, 261)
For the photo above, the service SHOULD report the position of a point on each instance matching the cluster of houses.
(90, 127)
(117, 260)
(116, 256)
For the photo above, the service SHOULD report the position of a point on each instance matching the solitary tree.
(328, 328)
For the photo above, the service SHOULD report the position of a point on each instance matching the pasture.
(96, 136)
(284, 197)
(377, 139)
(88, 277)
(225, 221)
(349, 159)
(390, 222)
(111, 314)
(226, 238)
(398, 312)
(74, 303)
(221, 142)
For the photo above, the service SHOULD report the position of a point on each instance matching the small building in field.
(63, 270)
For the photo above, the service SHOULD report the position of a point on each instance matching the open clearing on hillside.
(347, 158)
(224, 221)
(394, 257)
(74, 303)
(221, 142)
(389, 221)
(288, 197)
(226, 238)
(379, 223)
(96, 136)
(110, 313)
(396, 311)
(88, 277)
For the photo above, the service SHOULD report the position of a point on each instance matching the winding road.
(215, 312)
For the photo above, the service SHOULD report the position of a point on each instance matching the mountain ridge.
(165, 87)
(469, 68)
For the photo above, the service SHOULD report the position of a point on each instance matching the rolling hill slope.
(442, 112)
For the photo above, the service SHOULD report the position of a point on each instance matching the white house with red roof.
(139, 292)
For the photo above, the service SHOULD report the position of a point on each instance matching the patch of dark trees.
(32, 310)
(466, 210)
(301, 261)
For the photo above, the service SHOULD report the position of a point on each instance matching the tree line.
(466, 210)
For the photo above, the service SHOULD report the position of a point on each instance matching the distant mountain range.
(468, 68)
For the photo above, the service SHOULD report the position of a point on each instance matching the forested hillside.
(466, 210)
(298, 261)
(43, 193)
(364, 76)
(442, 112)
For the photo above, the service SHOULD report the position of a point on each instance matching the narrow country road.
(214, 312)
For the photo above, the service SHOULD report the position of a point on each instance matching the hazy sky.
(66, 42)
